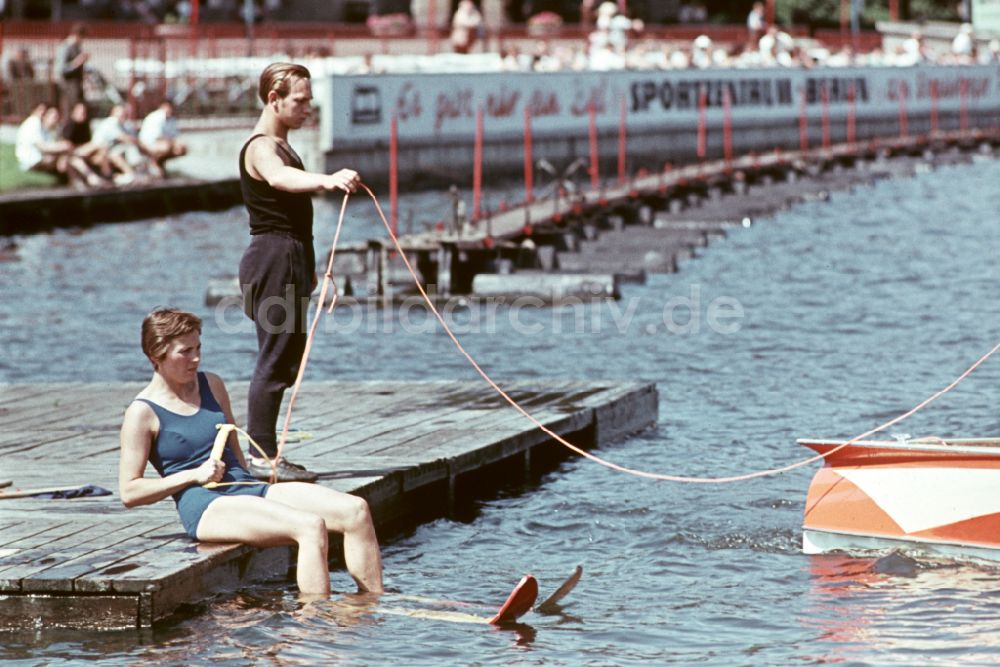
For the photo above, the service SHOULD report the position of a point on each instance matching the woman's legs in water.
(303, 514)
(344, 514)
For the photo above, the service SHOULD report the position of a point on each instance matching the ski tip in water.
(551, 604)
(519, 602)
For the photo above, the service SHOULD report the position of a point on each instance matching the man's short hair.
(279, 78)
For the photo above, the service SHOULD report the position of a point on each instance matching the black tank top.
(274, 210)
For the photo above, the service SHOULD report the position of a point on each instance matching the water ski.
(550, 604)
(517, 603)
(520, 601)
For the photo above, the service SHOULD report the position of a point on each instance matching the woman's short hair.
(279, 77)
(162, 326)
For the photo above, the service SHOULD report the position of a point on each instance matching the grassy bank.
(12, 178)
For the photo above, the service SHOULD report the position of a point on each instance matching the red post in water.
(963, 108)
(622, 140)
(432, 22)
(394, 174)
(2, 91)
(852, 124)
(727, 125)
(825, 97)
(904, 91)
(595, 176)
(529, 174)
(194, 12)
(133, 55)
(477, 168)
(803, 123)
(934, 106)
(702, 148)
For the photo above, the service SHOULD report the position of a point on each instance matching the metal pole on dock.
(727, 125)
(702, 139)
(529, 174)
(477, 167)
(595, 177)
(803, 123)
(621, 142)
(903, 91)
(934, 106)
(394, 174)
(825, 95)
(852, 132)
(963, 108)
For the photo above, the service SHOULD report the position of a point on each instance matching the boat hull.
(939, 498)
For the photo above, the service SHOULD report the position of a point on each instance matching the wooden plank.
(628, 411)
(161, 566)
(43, 533)
(106, 612)
(59, 543)
(359, 439)
(23, 440)
(56, 571)
(97, 564)
(16, 396)
(383, 404)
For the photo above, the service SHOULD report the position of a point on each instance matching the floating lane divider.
(328, 280)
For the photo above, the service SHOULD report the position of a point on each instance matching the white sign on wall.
(431, 108)
(986, 16)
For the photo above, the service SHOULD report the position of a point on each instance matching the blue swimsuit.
(184, 443)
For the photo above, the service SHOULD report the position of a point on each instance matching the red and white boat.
(930, 495)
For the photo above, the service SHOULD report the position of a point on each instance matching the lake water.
(853, 311)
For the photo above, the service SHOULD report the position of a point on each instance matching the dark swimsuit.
(184, 442)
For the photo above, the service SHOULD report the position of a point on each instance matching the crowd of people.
(618, 42)
(113, 151)
(119, 150)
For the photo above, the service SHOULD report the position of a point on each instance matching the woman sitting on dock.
(173, 423)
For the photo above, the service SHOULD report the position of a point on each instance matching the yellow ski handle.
(219, 446)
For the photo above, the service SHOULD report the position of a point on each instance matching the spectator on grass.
(159, 135)
(121, 150)
(76, 129)
(38, 147)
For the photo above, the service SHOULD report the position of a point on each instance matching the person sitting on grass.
(173, 423)
(38, 147)
(159, 136)
(76, 130)
(120, 149)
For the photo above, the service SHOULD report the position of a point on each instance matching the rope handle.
(219, 446)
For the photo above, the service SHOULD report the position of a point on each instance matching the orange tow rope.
(555, 436)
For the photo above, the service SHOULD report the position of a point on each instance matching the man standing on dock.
(277, 271)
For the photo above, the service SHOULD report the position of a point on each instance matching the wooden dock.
(413, 450)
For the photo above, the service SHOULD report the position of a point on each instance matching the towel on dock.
(86, 491)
